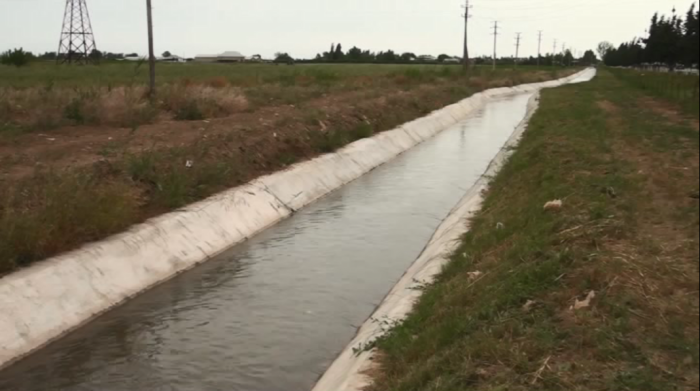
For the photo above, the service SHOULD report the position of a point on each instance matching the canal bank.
(157, 257)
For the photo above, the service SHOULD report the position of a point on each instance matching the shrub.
(361, 131)
(52, 213)
(17, 57)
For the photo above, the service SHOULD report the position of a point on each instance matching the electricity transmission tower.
(77, 40)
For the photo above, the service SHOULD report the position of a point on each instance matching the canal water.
(272, 314)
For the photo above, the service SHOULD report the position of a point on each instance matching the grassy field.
(625, 165)
(84, 153)
(675, 87)
(45, 96)
(242, 75)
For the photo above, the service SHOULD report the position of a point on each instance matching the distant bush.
(17, 57)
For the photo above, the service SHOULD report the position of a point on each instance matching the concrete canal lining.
(44, 302)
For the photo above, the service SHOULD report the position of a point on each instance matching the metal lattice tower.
(77, 40)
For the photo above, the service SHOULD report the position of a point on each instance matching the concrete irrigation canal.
(273, 313)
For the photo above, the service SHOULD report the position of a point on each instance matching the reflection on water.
(271, 314)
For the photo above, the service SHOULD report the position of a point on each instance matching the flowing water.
(272, 314)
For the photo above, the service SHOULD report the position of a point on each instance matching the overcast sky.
(306, 27)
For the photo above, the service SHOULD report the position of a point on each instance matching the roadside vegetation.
(678, 88)
(600, 295)
(85, 154)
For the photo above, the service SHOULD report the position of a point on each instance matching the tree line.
(671, 41)
(358, 55)
(20, 57)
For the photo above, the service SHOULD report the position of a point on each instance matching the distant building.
(427, 58)
(172, 58)
(207, 58)
(223, 57)
(231, 57)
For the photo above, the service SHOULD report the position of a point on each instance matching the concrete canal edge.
(44, 302)
(349, 371)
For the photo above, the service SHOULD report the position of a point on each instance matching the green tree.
(16, 57)
(388, 56)
(354, 54)
(284, 58)
(691, 38)
(408, 57)
(338, 55)
(167, 54)
(604, 48)
(443, 57)
(568, 58)
(96, 55)
(589, 58)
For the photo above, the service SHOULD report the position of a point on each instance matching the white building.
(231, 56)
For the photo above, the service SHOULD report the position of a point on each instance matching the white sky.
(306, 27)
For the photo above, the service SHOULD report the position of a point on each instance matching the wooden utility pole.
(517, 48)
(495, 43)
(466, 34)
(539, 50)
(151, 51)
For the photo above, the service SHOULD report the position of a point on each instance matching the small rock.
(579, 305)
(500, 226)
(529, 305)
(554, 205)
(473, 276)
(610, 191)
(189, 164)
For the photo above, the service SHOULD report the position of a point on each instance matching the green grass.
(679, 88)
(44, 96)
(51, 75)
(641, 332)
(146, 178)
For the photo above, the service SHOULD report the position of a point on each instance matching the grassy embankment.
(626, 166)
(84, 154)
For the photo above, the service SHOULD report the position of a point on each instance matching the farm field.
(84, 152)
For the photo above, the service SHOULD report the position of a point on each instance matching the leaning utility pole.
(539, 50)
(495, 43)
(466, 34)
(151, 51)
(517, 48)
(77, 40)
